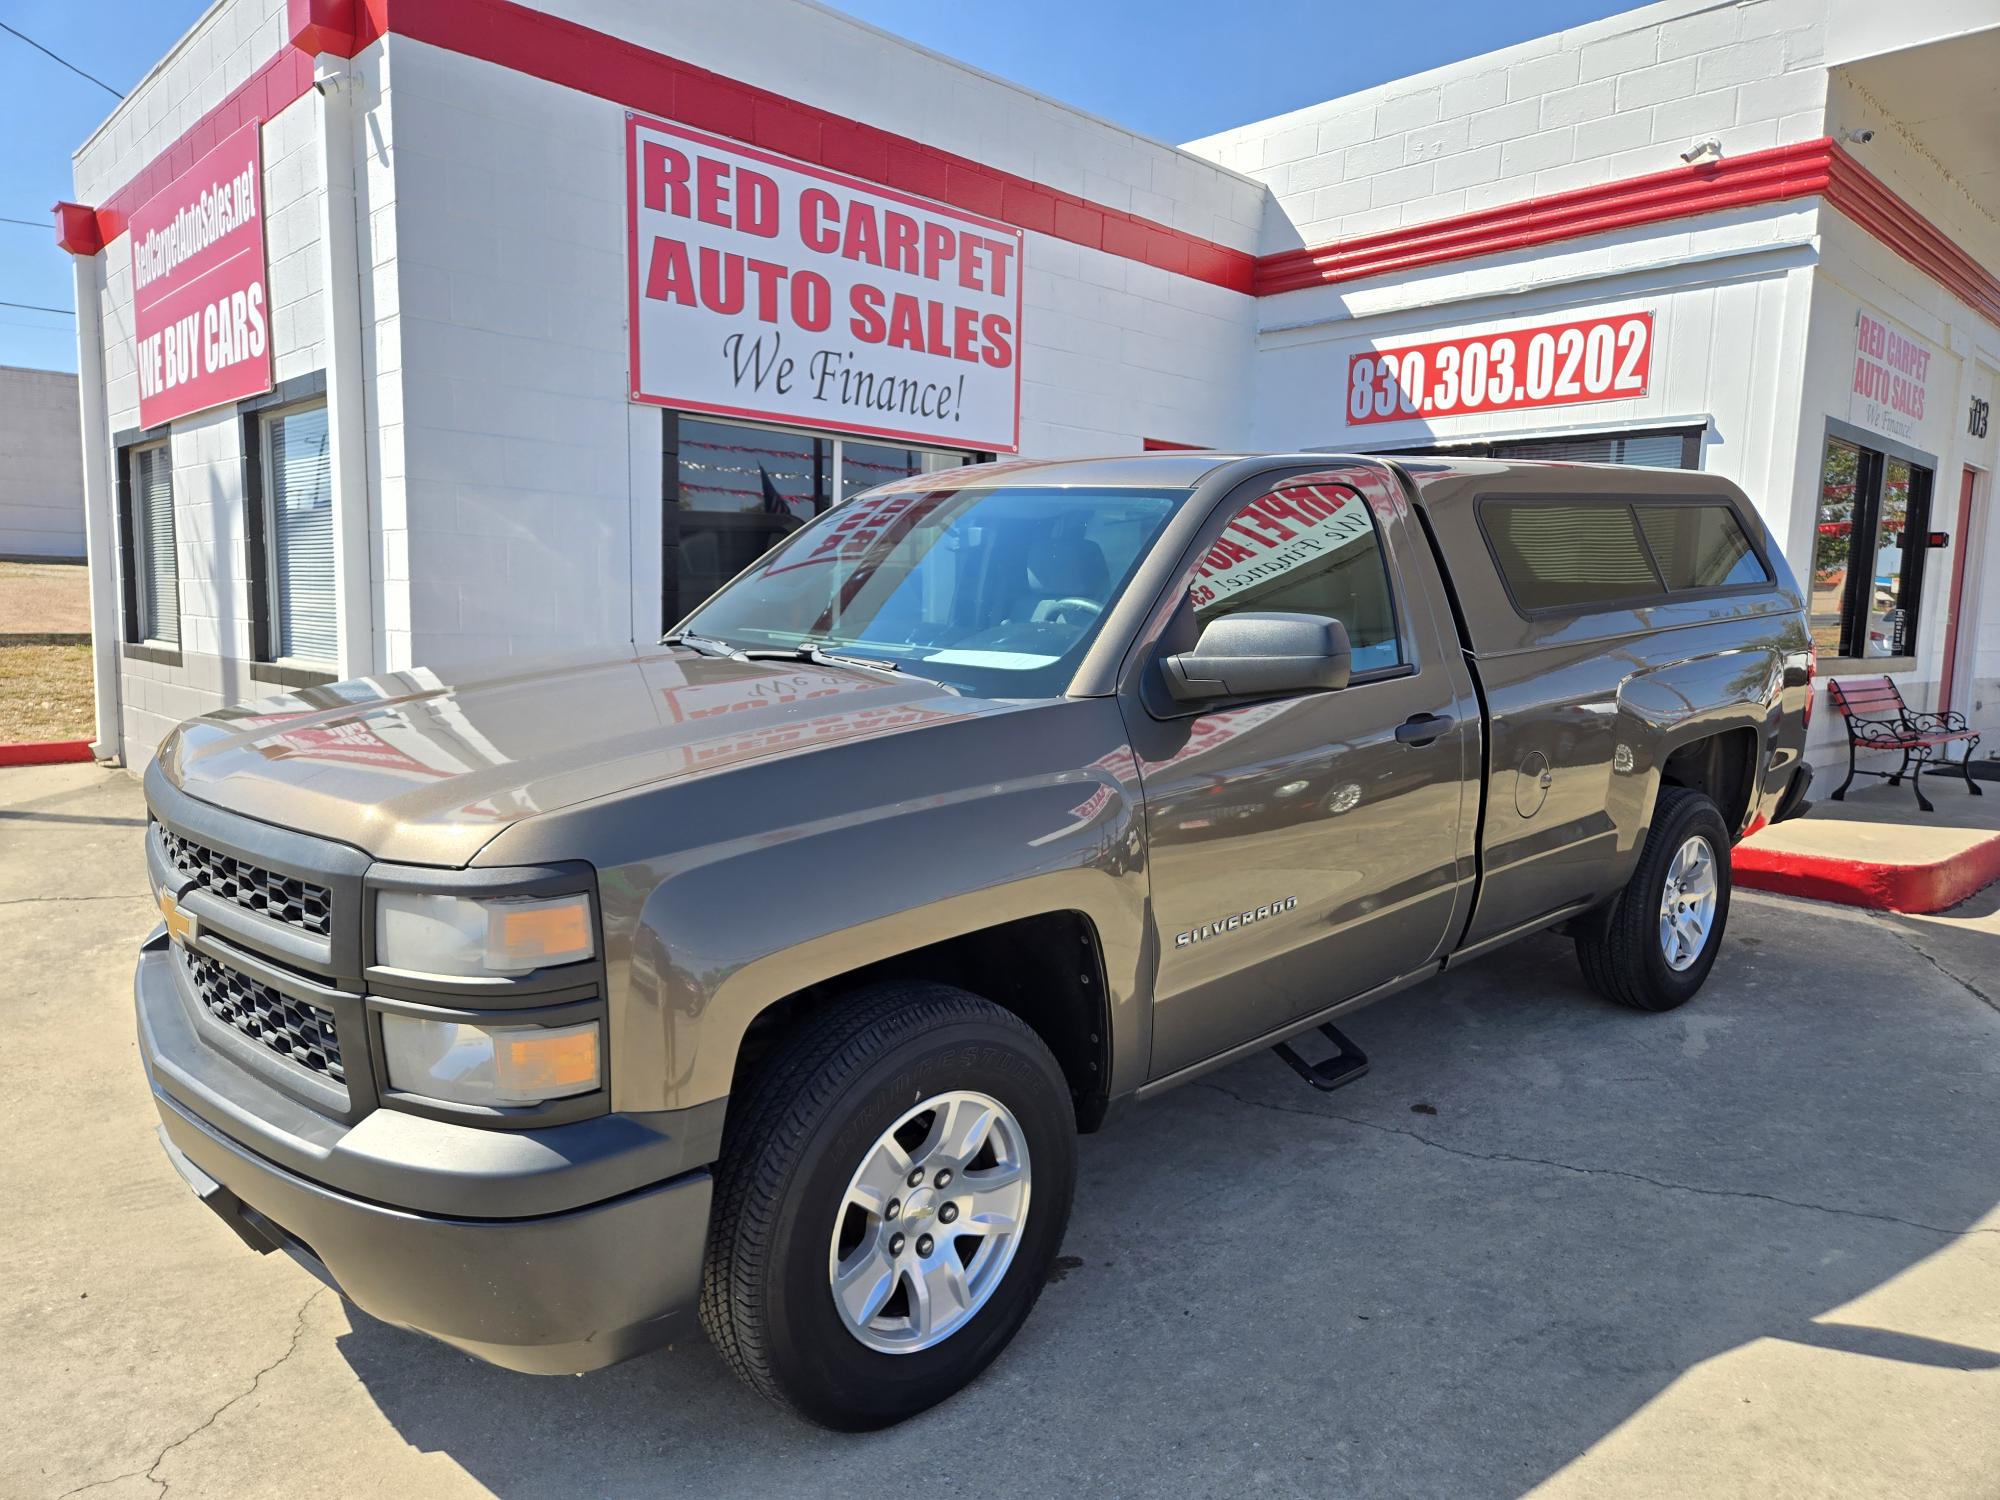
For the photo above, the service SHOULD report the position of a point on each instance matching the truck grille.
(296, 1029)
(283, 898)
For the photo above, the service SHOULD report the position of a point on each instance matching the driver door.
(1301, 852)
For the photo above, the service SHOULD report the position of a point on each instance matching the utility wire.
(63, 60)
(25, 223)
(66, 312)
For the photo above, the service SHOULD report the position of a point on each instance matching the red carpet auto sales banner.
(200, 309)
(762, 287)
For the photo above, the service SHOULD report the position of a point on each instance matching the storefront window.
(1868, 552)
(865, 465)
(734, 491)
(1657, 448)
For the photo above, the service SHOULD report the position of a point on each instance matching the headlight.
(461, 936)
(466, 1064)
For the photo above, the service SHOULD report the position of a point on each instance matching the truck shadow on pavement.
(1458, 1276)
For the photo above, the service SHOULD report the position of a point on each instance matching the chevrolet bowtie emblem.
(180, 923)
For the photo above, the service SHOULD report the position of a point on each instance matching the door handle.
(1421, 729)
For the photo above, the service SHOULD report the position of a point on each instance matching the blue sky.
(1175, 69)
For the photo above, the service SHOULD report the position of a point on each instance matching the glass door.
(1868, 552)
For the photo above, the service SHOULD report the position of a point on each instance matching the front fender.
(723, 894)
(831, 900)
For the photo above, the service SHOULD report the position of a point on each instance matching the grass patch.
(46, 693)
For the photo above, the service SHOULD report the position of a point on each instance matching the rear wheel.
(1654, 949)
(889, 1206)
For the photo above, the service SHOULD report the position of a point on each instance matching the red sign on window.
(1562, 364)
(200, 308)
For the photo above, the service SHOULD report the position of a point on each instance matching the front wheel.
(889, 1206)
(1655, 947)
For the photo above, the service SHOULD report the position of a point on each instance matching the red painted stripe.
(593, 62)
(1821, 167)
(45, 753)
(1864, 198)
(281, 80)
(562, 52)
(1761, 177)
(1864, 882)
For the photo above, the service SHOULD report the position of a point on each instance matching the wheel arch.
(1046, 968)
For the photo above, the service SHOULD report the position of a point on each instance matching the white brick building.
(453, 452)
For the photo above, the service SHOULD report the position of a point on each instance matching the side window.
(152, 572)
(297, 489)
(1562, 556)
(1309, 549)
(1700, 546)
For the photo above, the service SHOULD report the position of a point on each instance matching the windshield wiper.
(819, 656)
(704, 645)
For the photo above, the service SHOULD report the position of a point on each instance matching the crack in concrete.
(147, 1473)
(1563, 1166)
(1908, 940)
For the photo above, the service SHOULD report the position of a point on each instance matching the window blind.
(301, 537)
(155, 572)
(1569, 556)
(1660, 450)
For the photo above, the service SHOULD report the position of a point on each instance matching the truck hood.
(413, 767)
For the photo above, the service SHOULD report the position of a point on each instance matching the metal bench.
(1878, 719)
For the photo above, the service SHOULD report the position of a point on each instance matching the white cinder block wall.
(532, 486)
(1614, 99)
(41, 465)
(232, 41)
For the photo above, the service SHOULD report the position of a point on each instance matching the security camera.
(1702, 151)
(1861, 137)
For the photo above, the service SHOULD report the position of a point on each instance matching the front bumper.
(470, 1235)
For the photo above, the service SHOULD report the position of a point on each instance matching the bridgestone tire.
(815, 1108)
(1622, 957)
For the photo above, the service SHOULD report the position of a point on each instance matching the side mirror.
(1256, 655)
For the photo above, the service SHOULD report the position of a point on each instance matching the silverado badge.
(1232, 923)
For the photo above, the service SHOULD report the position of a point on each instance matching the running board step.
(1348, 1062)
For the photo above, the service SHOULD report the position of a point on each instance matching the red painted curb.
(47, 753)
(1864, 882)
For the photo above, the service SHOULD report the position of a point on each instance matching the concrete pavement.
(1546, 1245)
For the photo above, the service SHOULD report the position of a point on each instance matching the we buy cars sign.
(200, 309)
(762, 287)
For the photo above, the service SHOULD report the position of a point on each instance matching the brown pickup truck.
(771, 971)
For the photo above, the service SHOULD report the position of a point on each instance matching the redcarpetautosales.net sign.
(763, 287)
(200, 309)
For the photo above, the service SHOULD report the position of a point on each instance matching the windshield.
(995, 589)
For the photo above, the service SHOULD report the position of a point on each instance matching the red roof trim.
(1819, 167)
(558, 51)
(592, 62)
(76, 229)
(260, 96)
(1863, 197)
(1761, 177)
